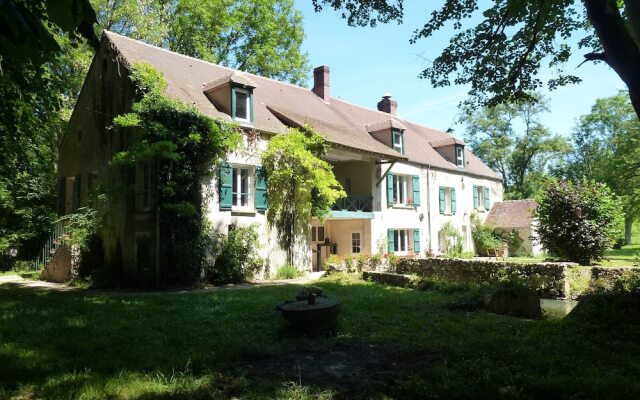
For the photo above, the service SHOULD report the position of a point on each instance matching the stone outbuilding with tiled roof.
(516, 216)
(404, 181)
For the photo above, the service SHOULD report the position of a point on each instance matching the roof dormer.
(390, 132)
(452, 150)
(233, 95)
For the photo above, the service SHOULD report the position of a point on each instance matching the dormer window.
(397, 140)
(242, 105)
(460, 156)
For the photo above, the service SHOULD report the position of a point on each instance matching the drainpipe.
(429, 207)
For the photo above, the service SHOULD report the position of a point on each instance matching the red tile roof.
(512, 214)
(341, 123)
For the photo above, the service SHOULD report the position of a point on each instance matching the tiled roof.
(276, 103)
(512, 214)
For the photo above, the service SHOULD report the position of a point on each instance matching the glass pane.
(241, 105)
(234, 189)
(396, 240)
(313, 233)
(321, 234)
(244, 178)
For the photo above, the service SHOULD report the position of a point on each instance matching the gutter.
(429, 208)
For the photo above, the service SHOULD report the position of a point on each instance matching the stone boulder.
(520, 302)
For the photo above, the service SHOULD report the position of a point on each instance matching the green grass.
(206, 345)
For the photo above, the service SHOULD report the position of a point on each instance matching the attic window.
(460, 156)
(242, 105)
(397, 138)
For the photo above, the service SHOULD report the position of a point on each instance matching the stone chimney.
(321, 82)
(387, 105)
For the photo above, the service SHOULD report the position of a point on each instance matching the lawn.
(391, 343)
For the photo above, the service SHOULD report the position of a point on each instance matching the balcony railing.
(354, 202)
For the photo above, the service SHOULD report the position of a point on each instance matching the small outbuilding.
(516, 216)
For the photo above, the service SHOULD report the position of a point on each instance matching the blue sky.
(367, 62)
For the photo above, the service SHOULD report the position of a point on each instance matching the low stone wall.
(547, 279)
(388, 278)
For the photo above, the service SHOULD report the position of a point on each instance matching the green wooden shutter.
(261, 189)
(416, 190)
(389, 189)
(441, 198)
(416, 241)
(475, 197)
(76, 192)
(453, 201)
(487, 200)
(226, 186)
(390, 241)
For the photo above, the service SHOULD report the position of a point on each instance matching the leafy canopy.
(300, 184)
(578, 221)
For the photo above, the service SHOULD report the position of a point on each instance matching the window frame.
(407, 235)
(249, 104)
(236, 187)
(460, 156)
(399, 134)
(360, 240)
(315, 233)
(402, 187)
(448, 207)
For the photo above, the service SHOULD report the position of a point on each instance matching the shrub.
(578, 222)
(483, 236)
(236, 256)
(514, 243)
(334, 262)
(619, 243)
(287, 271)
(452, 240)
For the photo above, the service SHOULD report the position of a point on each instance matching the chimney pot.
(387, 104)
(321, 82)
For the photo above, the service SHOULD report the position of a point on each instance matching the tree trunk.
(628, 224)
(620, 49)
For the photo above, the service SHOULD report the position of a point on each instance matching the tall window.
(317, 234)
(460, 156)
(241, 187)
(401, 240)
(398, 141)
(403, 190)
(242, 105)
(356, 242)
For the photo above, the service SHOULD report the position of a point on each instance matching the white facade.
(367, 232)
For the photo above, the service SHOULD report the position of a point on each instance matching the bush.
(236, 256)
(452, 240)
(619, 243)
(484, 238)
(578, 222)
(287, 271)
(514, 243)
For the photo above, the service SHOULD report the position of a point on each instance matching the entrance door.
(317, 237)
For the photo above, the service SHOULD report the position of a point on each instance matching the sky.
(367, 62)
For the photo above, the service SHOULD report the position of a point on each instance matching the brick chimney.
(321, 82)
(387, 105)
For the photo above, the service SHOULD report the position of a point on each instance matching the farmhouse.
(403, 180)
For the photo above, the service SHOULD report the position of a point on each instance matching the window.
(356, 242)
(317, 234)
(403, 190)
(460, 156)
(398, 141)
(401, 241)
(241, 105)
(481, 198)
(241, 196)
(400, 190)
(447, 198)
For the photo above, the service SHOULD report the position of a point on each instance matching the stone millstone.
(305, 317)
(519, 302)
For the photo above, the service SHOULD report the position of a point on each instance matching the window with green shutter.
(226, 186)
(416, 241)
(453, 201)
(391, 241)
(475, 197)
(416, 190)
(261, 189)
(487, 202)
(389, 189)
(441, 198)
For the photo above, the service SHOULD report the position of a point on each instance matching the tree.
(501, 56)
(578, 222)
(262, 37)
(300, 185)
(607, 149)
(521, 158)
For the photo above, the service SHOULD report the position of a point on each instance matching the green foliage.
(484, 238)
(236, 256)
(300, 184)
(452, 240)
(523, 155)
(262, 37)
(287, 271)
(499, 48)
(182, 146)
(80, 226)
(578, 221)
(514, 243)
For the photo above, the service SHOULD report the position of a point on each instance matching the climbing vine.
(181, 147)
(300, 184)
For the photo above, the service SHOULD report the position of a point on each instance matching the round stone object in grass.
(312, 318)
(519, 302)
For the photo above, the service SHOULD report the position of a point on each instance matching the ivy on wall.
(181, 147)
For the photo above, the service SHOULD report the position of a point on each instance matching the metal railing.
(354, 202)
(49, 248)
